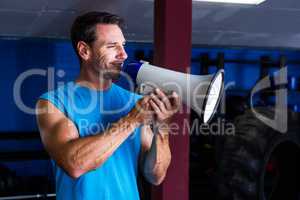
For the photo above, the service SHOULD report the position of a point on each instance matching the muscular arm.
(79, 155)
(155, 155)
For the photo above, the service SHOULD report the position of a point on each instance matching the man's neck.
(92, 80)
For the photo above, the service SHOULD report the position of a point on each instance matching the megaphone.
(202, 93)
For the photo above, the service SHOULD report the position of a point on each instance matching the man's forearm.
(88, 153)
(158, 158)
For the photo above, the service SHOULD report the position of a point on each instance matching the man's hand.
(164, 106)
(142, 112)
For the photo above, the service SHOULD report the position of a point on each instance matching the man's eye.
(110, 46)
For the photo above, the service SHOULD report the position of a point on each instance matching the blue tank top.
(92, 111)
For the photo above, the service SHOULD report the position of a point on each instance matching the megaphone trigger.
(146, 88)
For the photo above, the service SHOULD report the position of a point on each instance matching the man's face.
(108, 53)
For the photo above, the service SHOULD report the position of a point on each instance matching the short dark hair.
(84, 26)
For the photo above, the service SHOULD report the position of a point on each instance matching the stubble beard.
(108, 72)
(112, 74)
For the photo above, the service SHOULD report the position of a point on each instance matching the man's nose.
(122, 53)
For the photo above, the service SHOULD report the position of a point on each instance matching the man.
(96, 153)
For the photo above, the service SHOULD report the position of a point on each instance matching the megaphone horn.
(200, 92)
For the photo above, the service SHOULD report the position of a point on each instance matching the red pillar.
(172, 49)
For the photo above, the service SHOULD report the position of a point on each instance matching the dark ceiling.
(274, 23)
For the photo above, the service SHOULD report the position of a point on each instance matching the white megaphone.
(202, 93)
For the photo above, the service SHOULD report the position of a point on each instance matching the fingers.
(176, 101)
(143, 111)
(159, 105)
(154, 106)
(145, 99)
(163, 106)
(161, 100)
(161, 95)
(166, 103)
(143, 105)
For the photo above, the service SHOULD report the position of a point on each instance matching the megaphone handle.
(146, 88)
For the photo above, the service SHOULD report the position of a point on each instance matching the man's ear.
(84, 50)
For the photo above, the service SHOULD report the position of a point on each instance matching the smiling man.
(101, 162)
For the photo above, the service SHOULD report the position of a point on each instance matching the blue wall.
(18, 56)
